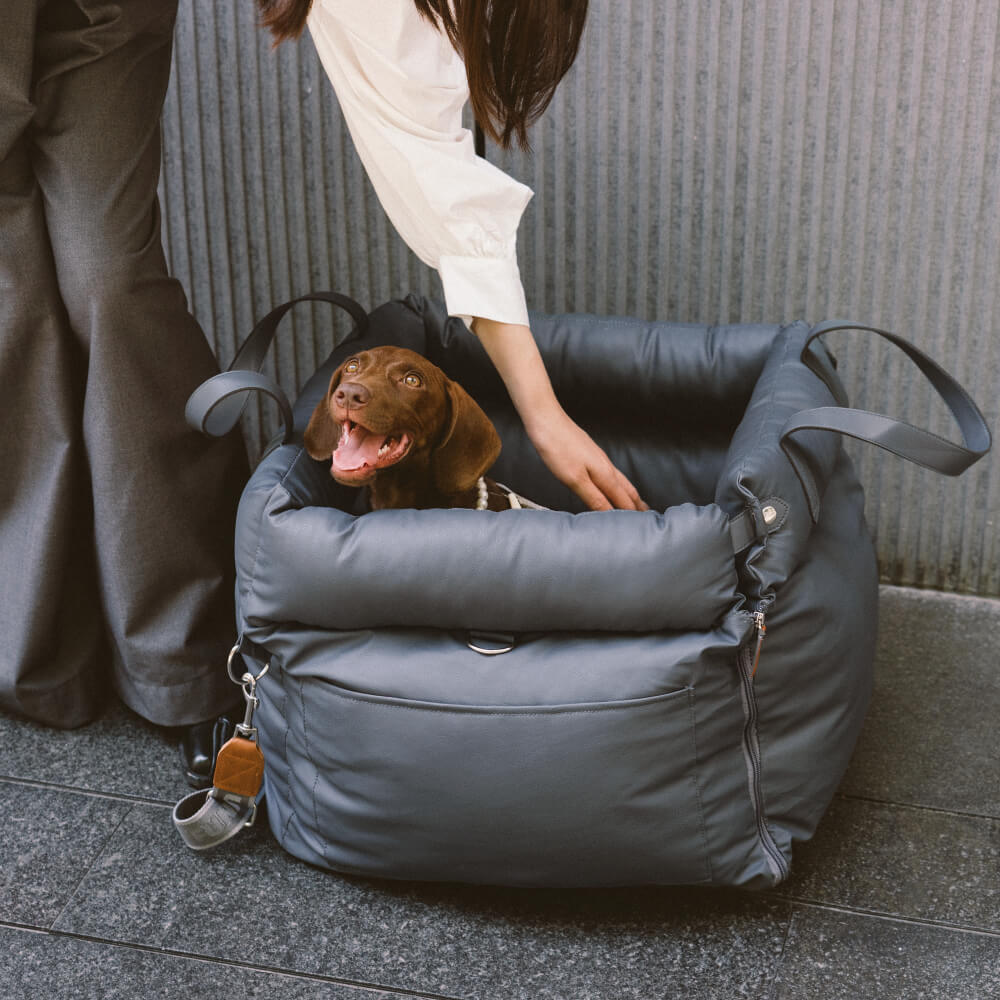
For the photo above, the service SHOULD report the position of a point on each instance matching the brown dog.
(394, 422)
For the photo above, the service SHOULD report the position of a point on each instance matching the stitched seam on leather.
(697, 787)
(288, 759)
(280, 484)
(543, 711)
(315, 784)
(252, 582)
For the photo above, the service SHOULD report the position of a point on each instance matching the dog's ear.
(322, 432)
(469, 444)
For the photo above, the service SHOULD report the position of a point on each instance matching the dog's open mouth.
(361, 453)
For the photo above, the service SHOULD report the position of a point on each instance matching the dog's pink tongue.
(356, 448)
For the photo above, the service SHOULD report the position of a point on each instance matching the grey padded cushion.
(516, 570)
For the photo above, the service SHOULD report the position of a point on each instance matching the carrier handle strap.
(215, 407)
(902, 439)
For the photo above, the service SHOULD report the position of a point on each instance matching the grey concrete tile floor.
(897, 896)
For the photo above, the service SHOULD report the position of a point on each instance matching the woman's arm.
(570, 453)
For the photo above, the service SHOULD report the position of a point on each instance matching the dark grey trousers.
(116, 520)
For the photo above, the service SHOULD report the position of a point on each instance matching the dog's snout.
(351, 395)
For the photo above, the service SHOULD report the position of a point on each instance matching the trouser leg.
(164, 497)
(50, 620)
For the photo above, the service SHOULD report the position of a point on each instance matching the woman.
(116, 520)
(403, 71)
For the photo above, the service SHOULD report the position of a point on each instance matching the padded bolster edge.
(609, 366)
(516, 570)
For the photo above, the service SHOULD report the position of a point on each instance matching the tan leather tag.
(239, 767)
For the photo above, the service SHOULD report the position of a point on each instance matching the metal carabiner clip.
(248, 684)
(242, 680)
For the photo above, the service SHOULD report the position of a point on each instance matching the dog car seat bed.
(630, 726)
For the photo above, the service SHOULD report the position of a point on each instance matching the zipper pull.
(758, 618)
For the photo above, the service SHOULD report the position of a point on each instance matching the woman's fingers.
(607, 488)
(617, 490)
(575, 459)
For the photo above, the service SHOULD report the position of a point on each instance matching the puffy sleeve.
(402, 88)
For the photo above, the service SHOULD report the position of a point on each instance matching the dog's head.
(393, 421)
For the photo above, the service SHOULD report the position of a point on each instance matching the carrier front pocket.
(596, 794)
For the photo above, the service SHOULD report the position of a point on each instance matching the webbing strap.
(215, 407)
(902, 439)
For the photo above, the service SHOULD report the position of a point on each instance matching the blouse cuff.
(489, 287)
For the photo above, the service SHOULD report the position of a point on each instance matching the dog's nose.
(351, 395)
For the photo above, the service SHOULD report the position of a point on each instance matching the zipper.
(758, 618)
(748, 660)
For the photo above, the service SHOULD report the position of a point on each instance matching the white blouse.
(402, 88)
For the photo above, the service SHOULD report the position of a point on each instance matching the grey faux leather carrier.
(624, 737)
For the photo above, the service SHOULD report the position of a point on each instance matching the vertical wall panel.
(705, 161)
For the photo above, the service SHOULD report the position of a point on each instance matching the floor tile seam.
(394, 991)
(897, 918)
(776, 983)
(916, 807)
(774, 980)
(78, 790)
(97, 855)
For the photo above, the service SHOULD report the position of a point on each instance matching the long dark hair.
(515, 51)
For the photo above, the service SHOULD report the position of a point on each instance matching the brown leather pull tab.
(239, 767)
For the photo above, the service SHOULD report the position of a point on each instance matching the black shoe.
(200, 745)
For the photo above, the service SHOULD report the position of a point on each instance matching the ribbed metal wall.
(704, 161)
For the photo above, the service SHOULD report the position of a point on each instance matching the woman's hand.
(570, 453)
(577, 460)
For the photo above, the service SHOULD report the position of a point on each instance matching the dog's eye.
(413, 380)
(352, 366)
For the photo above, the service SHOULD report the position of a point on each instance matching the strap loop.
(755, 522)
(215, 407)
(210, 817)
(902, 439)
